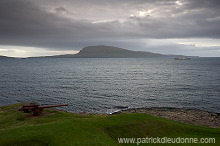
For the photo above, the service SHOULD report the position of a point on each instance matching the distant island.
(102, 51)
(110, 52)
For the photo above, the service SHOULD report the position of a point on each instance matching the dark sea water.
(106, 85)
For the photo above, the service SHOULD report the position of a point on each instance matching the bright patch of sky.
(20, 51)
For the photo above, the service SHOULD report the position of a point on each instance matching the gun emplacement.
(36, 109)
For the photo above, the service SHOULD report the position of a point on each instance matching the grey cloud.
(63, 11)
(27, 23)
(214, 4)
(24, 23)
(60, 9)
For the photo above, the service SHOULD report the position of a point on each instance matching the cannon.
(36, 109)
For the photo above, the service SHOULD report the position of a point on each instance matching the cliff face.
(112, 52)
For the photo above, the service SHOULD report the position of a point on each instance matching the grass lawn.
(62, 128)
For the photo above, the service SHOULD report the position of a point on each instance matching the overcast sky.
(49, 27)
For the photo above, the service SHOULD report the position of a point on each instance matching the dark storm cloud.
(63, 24)
(24, 23)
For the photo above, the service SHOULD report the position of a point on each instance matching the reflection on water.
(104, 85)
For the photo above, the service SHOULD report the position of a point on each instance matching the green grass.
(61, 128)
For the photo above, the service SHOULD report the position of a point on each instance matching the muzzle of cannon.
(36, 109)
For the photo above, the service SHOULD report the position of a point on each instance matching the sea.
(106, 85)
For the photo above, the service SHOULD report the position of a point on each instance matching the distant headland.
(2, 57)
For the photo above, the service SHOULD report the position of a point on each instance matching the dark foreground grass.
(61, 128)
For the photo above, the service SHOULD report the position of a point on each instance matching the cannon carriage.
(36, 109)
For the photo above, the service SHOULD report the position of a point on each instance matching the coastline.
(188, 116)
(56, 127)
(183, 115)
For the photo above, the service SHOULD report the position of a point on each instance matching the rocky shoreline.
(188, 116)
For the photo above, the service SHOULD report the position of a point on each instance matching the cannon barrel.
(49, 106)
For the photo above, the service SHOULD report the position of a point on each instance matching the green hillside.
(64, 129)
